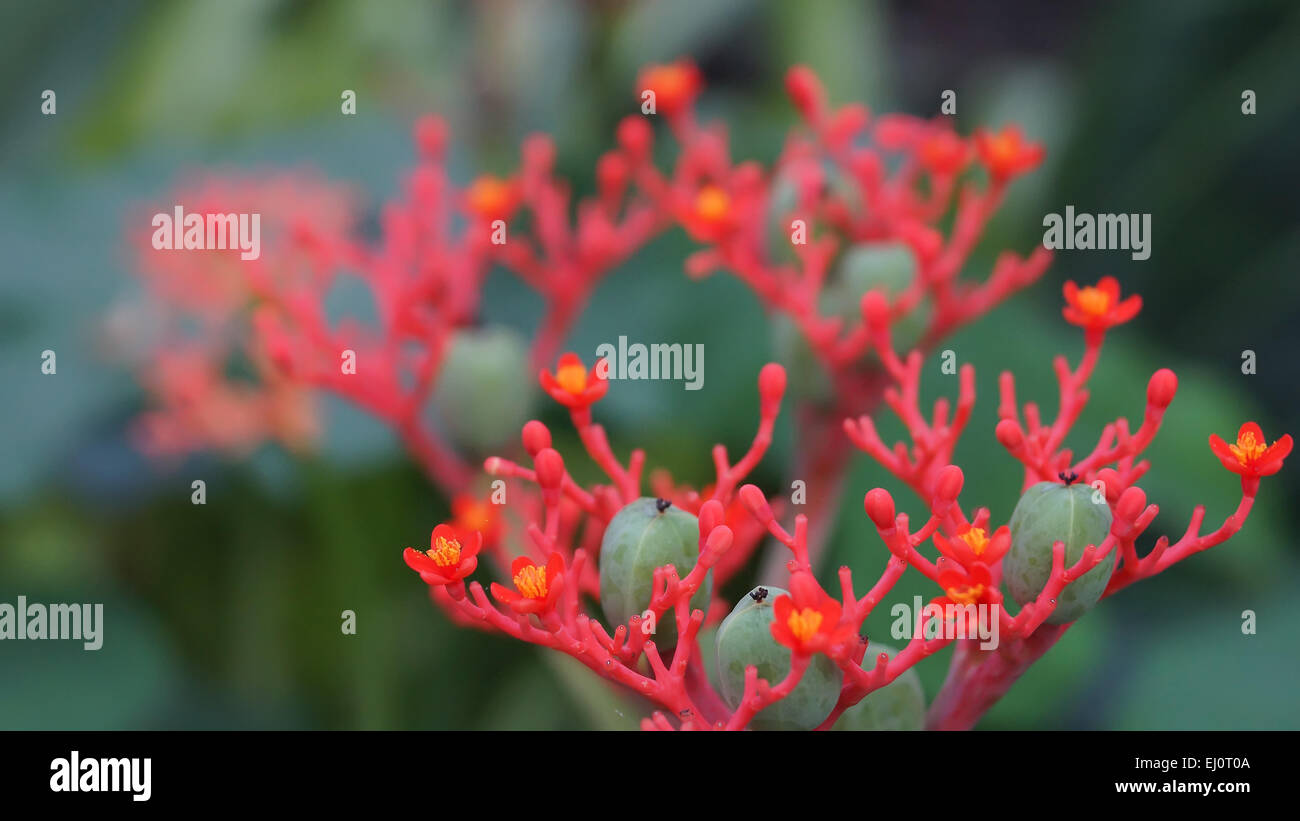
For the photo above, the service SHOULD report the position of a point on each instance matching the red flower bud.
(875, 309)
(1009, 434)
(430, 136)
(635, 136)
(806, 92)
(880, 507)
(550, 468)
(1131, 504)
(771, 382)
(948, 486)
(1162, 387)
(536, 437)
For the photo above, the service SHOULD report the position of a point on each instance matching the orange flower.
(962, 588)
(675, 85)
(448, 559)
(807, 620)
(492, 198)
(471, 515)
(1251, 455)
(573, 385)
(709, 213)
(537, 586)
(1098, 307)
(943, 153)
(974, 546)
(1007, 153)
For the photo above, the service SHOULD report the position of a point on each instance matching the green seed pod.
(644, 535)
(745, 638)
(890, 267)
(1050, 512)
(887, 266)
(784, 198)
(899, 705)
(484, 388)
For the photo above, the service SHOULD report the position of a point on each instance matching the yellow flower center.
(977, 539)
(531, 581)
(1093, 301)
(1248, 449)
(445, 552)
(712, 203)
(804, 623)
(966, 593)
(1006, 147)
(488, 196)
(572, 377)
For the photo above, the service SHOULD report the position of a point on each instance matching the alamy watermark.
(1085, 232)
(683, 363)
(208, 232)
(75, 622)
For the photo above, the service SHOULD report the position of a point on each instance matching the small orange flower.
(471, 514)
(536, 586)
(1007, 154)
(491, 198)
(807, 620)
(451, 556)
(709, 213)
(675, 85)
(572, 385)
(962, 587)
(1251, 455)
(712, 204)
(943, 153)
(974, 546)
(1097, 308)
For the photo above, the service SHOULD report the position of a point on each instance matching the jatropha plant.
(855, 240)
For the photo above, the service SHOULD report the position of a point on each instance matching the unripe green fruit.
(888, 267)
(640, 538)
(1050, 512)
(484, 388)
(745, 638)
(782, 202)
(899, 705)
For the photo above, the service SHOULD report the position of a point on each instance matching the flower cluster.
(856, 239)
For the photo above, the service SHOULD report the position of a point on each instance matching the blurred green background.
(227, 615)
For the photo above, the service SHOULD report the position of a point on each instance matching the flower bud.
(745, 638)
(880, 507)
(806, 92)
(1008, 432)
(550, 469)
(899, 705)
(1162, 387)
(771, 383)
(1048, 512)
(645, 535)
(536, 436)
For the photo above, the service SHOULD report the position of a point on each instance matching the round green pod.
(899, 705)
(745, 638)
(883, 266)
(1050, 512)
(484, 389)
(647, 534)
(783, 199)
